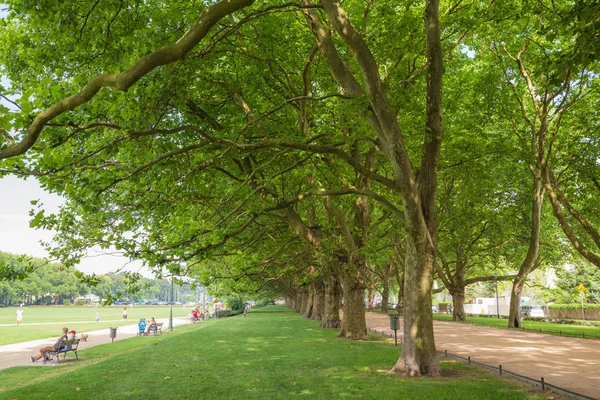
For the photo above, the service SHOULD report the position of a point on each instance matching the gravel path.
(569, 363)
(17, 354)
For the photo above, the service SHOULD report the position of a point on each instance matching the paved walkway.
(569, 363)
(17, 354)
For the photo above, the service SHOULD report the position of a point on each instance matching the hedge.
(576, 306)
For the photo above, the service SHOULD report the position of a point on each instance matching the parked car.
(531, 311)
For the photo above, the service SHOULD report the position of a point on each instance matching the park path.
(569, 363)
(17, 354)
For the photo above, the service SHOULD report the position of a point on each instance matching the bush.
(573, 306)
(228, 313)
(80, 303)
(564, 321)
(264, 303)
(236, 303)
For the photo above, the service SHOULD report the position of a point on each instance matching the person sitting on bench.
(60, 344)
(151, 326)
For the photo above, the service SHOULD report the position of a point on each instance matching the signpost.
(581, 290)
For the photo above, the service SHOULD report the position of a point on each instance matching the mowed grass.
(40, 322)
(271, 354)
(546, 327)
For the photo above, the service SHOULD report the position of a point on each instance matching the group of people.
(197, 313)
(62, 343)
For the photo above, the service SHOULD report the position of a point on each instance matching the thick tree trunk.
(418, 355)
(318, 301)
(331, 315)
(354, 324)
(371, 297)
(458, 304)
(310, 296)
(514, 314)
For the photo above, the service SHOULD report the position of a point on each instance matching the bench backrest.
(73, 343)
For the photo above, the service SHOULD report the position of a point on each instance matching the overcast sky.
(17, 237)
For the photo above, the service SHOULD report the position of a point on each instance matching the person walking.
(124, 313)
(19, 315)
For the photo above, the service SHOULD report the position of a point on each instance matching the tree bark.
(385, 293)
(331, 315)
(418, 355)
(318, 300)
(458, 302)
(309, 302)
(354, 324)
(371, 297)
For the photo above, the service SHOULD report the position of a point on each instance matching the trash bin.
(394, 322)
(113, 333)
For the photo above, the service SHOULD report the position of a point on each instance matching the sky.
(17, 237)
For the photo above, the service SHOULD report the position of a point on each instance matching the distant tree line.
(52, 283)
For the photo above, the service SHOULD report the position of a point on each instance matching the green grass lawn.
(546, 327)
(272, 354)
(41, 322)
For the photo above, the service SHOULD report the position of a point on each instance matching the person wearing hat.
(72, 334)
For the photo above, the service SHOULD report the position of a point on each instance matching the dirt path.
(17, 354)
(569, 363)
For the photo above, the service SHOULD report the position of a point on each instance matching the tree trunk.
(310, 296)
(458, 304)
(371, 297)
(418, 355)
(318, 301)
(514, 315)
(400, 305)
(531, 261)
(354, 324)
(385, 294)
(331, 315)
(298, 301)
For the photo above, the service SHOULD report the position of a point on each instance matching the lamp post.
(171, 313)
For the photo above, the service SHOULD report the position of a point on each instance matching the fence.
(541, 382)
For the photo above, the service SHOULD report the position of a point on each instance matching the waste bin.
(113, 333)
(394, 322)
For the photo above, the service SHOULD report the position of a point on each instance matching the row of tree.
(296, 148)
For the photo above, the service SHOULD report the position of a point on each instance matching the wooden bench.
(51, 352)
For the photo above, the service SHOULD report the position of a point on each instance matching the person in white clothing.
(19, 316)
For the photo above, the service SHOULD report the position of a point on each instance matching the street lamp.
(171, 313)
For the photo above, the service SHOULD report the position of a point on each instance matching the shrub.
(228, 313)
(564, 321)
(573, 306)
